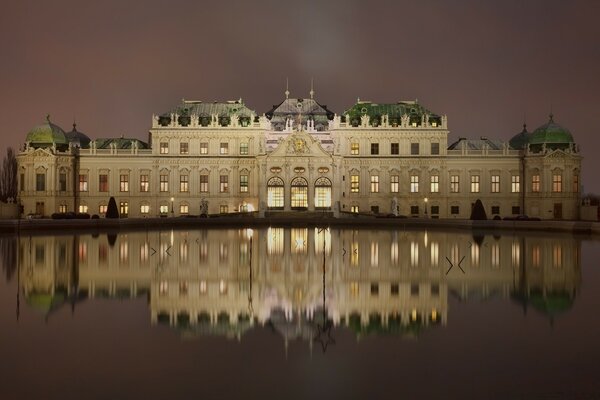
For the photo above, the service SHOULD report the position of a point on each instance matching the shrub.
(70, 215)
(478, 211)
(58, 216)
(83, 216)
(95, 216)
(112, 211)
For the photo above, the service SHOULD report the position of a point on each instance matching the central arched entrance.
(275, 193)
(299, 195)
(323, 193)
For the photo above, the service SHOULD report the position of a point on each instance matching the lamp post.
(426, 200)
(172, 211)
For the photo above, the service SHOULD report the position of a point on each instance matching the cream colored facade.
(223, 158)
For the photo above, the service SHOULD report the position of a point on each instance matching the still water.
(299, 313)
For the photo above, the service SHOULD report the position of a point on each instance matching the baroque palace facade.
(221, 157)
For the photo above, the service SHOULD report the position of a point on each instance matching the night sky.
(487, 65)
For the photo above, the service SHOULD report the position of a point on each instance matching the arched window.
(299, 193)
(275, 193)
(323, 193)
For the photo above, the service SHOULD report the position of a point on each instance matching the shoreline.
(44, 226)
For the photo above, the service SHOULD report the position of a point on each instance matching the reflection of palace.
(375, 281)
(375, 158)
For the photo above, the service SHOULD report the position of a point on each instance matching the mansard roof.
(394, 111)
(307, 109)
(121, 143)
(476, 144)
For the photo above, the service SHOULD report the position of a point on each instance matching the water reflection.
(301, 282)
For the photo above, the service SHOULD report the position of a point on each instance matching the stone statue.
(395, 206)
(203, 206)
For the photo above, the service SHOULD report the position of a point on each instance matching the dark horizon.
(487, 66)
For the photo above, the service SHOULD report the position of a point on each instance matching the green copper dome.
(46, 135)
(520, 140)
(551, 134)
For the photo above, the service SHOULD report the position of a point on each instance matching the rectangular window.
(374, 183)
(394, 183)
(414, 184)
(454, 210)
(435, 148)
(243, 149)
(62, 208)
(83, 208)
(144, 209)
(123, 183)
(224, 148)
(184, 148)
(557, 183)
(414, 210)
(515, 183)
(224, 180)
(204, 183)
(243, 183)
(62, 182)
(164, 182)
(123, 208)
(454, 184)
(474, 183)
(354, 184)
(354, 149)
(204, 148)
(535, 183)
(495, 184)
(435, 210)
(374, 148)
(83, 183)
(414, 149)
(164, 209)
(575, 183)
(144, 183)
(516, 210)
(395, 148)
(184, 183)
(102, 209)
(354, 209)
(103, 183)
(435, 184)
(223, 209)
(164, 148)
(495, 209)
(184, 209)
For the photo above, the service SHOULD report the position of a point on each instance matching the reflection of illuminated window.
(275, 238)
(275, 193)
(535, 256)
(223, 252)
(183, 289)
(203, 251)
(515, 254)
(102, 253)
(299, 237)
(123, 252)
(495, 255)
(454, 253)
(475, 255)
(183, 252)
(222, 287)
(323, 235)
(354, 254)
(354, 289)
(414, 254)
(203, 287)
(374, 254)
(435, 253)
(557, 255)
(163, 288)
(82, 252)
(144, 252)
(394, 252)
(413, 315)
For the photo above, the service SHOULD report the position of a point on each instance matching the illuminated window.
(62, 208)
(224, 183)
(474, 183)
(203, 183)
(184, 148)
(224, 148)
(223, 209)
(144, 183)
(354, 209)
(164, 209)
(164, 182)
(123, 183)
(275, 193)
(394, 183)
(515, 184)
(495, 184)
(575, 182)
(374, 148)
(454, 184)
(164, 148)
(244, 149)
(557, 183)
(354, 149)
(184, 181)
(354, 184)
(535, 183)
(435, 184)
(323, 193)
(123, 208)
(83, 183)
(184, 209)
(144, 209)
(299, 193)
(374, 183)
(103, 183)
(83, 208)
(414, 184)
(243, 183)
(204, 148)
(395, 148)
(102, 209)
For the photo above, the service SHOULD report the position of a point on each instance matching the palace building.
(222, 157)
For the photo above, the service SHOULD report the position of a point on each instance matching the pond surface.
(299, 313)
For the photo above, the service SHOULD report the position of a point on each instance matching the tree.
(112, 211)
(8, 176)
(478, 211)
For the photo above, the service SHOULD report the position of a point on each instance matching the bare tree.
(8, 176)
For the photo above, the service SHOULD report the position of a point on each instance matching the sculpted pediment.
(558, 154)
(299, 144)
